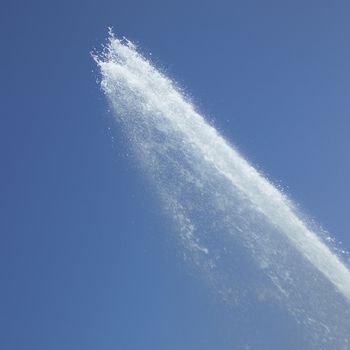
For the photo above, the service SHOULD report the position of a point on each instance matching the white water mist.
(229, 216)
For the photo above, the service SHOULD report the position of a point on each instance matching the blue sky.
(85, 257)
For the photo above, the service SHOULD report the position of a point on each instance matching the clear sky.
(86, 261)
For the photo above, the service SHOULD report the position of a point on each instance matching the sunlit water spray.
(240, 231)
